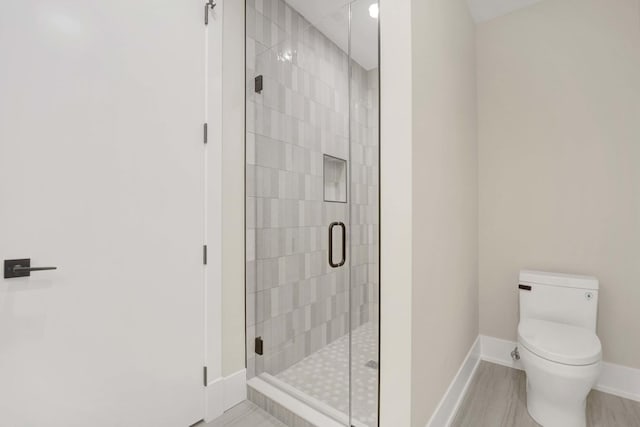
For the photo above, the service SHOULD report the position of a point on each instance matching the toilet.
(558, 346)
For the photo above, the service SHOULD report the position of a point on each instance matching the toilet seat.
(560, 343)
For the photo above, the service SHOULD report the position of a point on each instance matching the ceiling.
(484, 10)
(331, 17)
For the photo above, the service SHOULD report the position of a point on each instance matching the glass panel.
(312, 203)
(296, 302)
(364, 207)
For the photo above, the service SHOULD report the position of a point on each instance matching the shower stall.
(312, 203)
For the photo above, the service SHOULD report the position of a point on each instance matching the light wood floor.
(497, 398)
(246, 414)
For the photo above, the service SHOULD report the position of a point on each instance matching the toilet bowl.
(558, 346)
(562, 364)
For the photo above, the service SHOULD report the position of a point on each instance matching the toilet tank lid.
(559, 279)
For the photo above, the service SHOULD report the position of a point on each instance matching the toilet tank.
(556, 297)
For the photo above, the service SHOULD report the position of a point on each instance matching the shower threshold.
(298, 403)
(321, 380)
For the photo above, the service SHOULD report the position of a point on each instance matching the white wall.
(559, 132)
(233, 347)
(396, 216)
(445, 199)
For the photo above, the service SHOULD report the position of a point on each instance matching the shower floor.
(324, 375)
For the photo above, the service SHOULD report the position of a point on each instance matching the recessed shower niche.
(335, 179)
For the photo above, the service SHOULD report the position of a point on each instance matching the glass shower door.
(297, 171)
(301, 166)
(364, 202)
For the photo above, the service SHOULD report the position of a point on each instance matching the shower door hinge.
(259, 346)
(204, 376)
(258, 83)
(204, 254)
(210, 4)
(206, 133)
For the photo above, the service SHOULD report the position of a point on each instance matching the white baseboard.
(620, 381)
(225, 393)
(614, 379)
(498, 351)
(235, 389)
(448, 406)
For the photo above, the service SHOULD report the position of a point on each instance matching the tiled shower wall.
(295, 301)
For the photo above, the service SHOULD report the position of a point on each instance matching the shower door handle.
(344, 244)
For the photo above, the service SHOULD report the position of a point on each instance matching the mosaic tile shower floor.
(324, 375)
